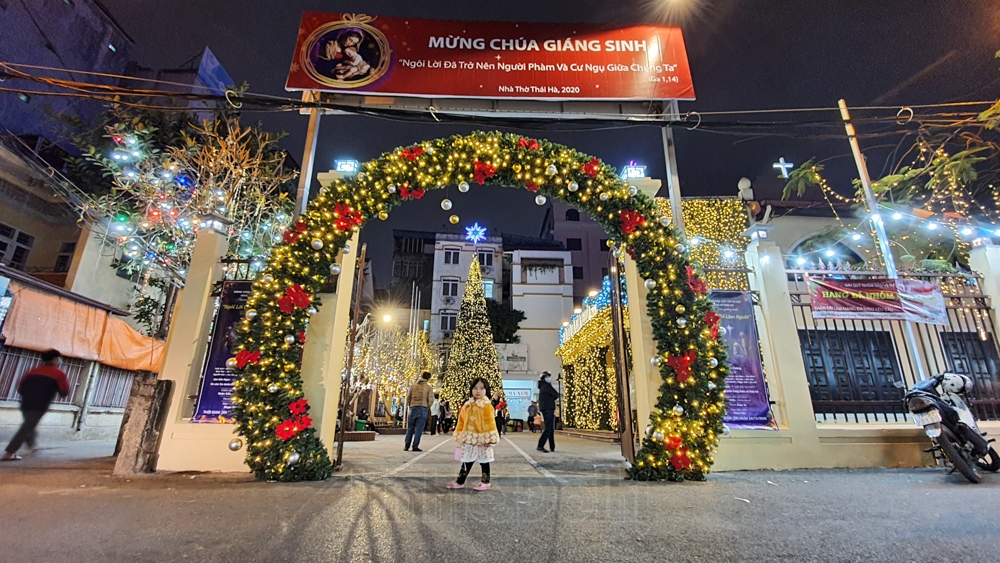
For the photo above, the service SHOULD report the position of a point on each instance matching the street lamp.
(387, 318)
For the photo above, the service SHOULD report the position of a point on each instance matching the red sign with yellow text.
(359, 54)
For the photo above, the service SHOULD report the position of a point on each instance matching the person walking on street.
(419, 400)
(446, 418)
(547, 396)
(476, 434)
(532, 413)
(498, 407)
(435, 414)
(38, 388)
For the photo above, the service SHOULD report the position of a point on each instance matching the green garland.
(268, 404)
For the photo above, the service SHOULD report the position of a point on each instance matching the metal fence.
(859, 370)
(110, 387)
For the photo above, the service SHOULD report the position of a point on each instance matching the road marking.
(534, 463)
(416, 459)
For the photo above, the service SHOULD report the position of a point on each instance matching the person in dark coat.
(547, 396)
(38, 388)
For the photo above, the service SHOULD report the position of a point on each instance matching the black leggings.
(463, 473)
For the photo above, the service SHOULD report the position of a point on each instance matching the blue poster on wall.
(746, 389)
(217, 380)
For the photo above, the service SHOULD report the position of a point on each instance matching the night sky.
(760, 54)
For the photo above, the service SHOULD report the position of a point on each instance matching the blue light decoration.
(600, 301)
(346, 166)
(475, 234)
(633, 170)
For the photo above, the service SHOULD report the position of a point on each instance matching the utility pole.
(883, 240)
(308, 154)
(673, 179)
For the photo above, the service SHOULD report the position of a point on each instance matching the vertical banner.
(217, 379)
(749, 401)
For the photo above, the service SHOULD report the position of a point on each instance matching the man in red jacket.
(37, 388)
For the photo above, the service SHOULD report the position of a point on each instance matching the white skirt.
(477, 453)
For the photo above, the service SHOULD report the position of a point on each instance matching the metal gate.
(858, 370)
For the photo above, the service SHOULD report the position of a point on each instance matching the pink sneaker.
(481, 487)
(454, 485)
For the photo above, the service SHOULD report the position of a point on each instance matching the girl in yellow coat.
(476, 433)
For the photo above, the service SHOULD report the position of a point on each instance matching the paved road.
(573, 505)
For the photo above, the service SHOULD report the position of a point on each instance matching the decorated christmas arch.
(273, 414)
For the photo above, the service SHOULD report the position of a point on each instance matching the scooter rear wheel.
(957, 456)
(993, 464)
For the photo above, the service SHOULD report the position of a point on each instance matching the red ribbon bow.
(532, 186)
(244, 357)
(680, 459)
(295, 298)
(528, 143)
(694, 284)
(412, 154)
(631, 220)
(292, 235)
(347, 217)
(592, 168)
(406, 192)
(682, 364)
(483, 171)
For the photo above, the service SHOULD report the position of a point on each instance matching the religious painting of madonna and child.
(346, 54)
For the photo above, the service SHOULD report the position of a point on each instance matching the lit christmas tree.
(472, 352)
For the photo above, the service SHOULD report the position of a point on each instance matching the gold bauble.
(516, 167)
(453, 219)
(680, 309)
(383, 215)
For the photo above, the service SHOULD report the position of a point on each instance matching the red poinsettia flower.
(406, 192)
(672, 442)
(298, 407)
(631, 220)
(291, 236)
(528, 143)
(483, 171)
(531, 185)
(712, 318)
(592, 168)
(680, 459)
(411, 154)
(694, 284)
(295, 297)
(347, 217)
(244, 357)
(302, 336)
(303, 422)
(286, 430)
(682, 364)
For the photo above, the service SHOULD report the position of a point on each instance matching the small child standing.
(476, 433)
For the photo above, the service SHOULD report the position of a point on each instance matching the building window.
(572, 215)
(449, 321)
(574, 244)
(451, 255)
(604, 244)
(14, 247)
(488, 288)
(577, 272)
(485, 258)
(449, 288)
(65, 257)
(604, 272)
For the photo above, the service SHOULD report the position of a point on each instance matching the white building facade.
(453, 255)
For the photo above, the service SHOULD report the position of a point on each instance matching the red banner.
(354, 53)
(877, 299)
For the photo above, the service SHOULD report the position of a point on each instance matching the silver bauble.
(251, 313)
(632, 190)
(665, 221)
(347, 249)
(655, 360)
(361, 176)
(551, 170)
(268, 278)
(392, 189)
(650, 284)
(312, 311)
(573, 186)
(722, 331)
(317, 244)
(540, 199)
(681, 248)
(678, 409)
(463, 187)
(293, 458)
(682, 322)
(231, 363)
(604, 196)
(323, 191)
(289, 339)
(335, 269)
(446, 204)
(726, 431)
(649, 430)
(235, 444)
(713, 362)
(657, 436)
(711, 386)
(273, 388)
